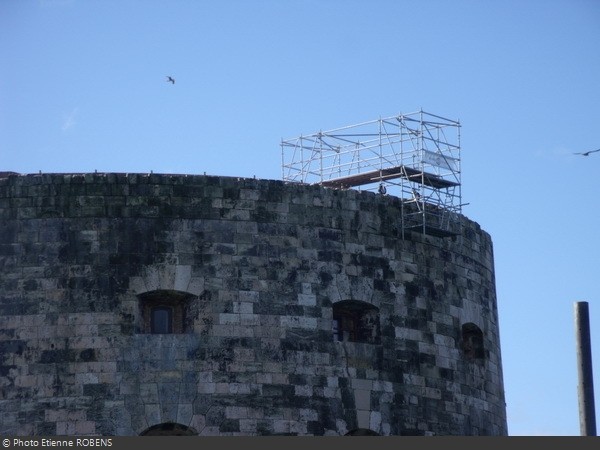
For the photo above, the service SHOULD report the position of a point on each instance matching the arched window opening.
(169, 429)
(355, 321)
(361, 432)
(472, 342)
(164, 312)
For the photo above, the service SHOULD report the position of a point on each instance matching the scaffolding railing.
(414, 156)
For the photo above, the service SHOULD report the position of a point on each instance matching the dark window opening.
(355, 321)
(165, 312)
(161, 320)
(362, 432)
(472, 342)
(169, 429)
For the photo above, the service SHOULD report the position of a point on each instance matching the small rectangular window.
(164, 312)
(355, 321)
(161, 321)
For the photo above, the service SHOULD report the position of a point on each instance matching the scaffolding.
(414, 156)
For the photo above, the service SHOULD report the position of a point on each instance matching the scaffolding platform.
(414, 156)
(376, 176)
(431, 231)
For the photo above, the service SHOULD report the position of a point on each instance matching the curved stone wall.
(294, 309)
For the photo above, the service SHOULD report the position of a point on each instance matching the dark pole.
(585, 388)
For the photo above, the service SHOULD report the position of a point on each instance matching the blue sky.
(83, 88)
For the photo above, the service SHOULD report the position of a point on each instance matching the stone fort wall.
(295, 309)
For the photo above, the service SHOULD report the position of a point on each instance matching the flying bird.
(587, 153)
(170, 79)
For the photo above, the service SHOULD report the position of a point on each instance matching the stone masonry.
(257, 269)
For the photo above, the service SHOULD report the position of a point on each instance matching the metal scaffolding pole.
(585, 388)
